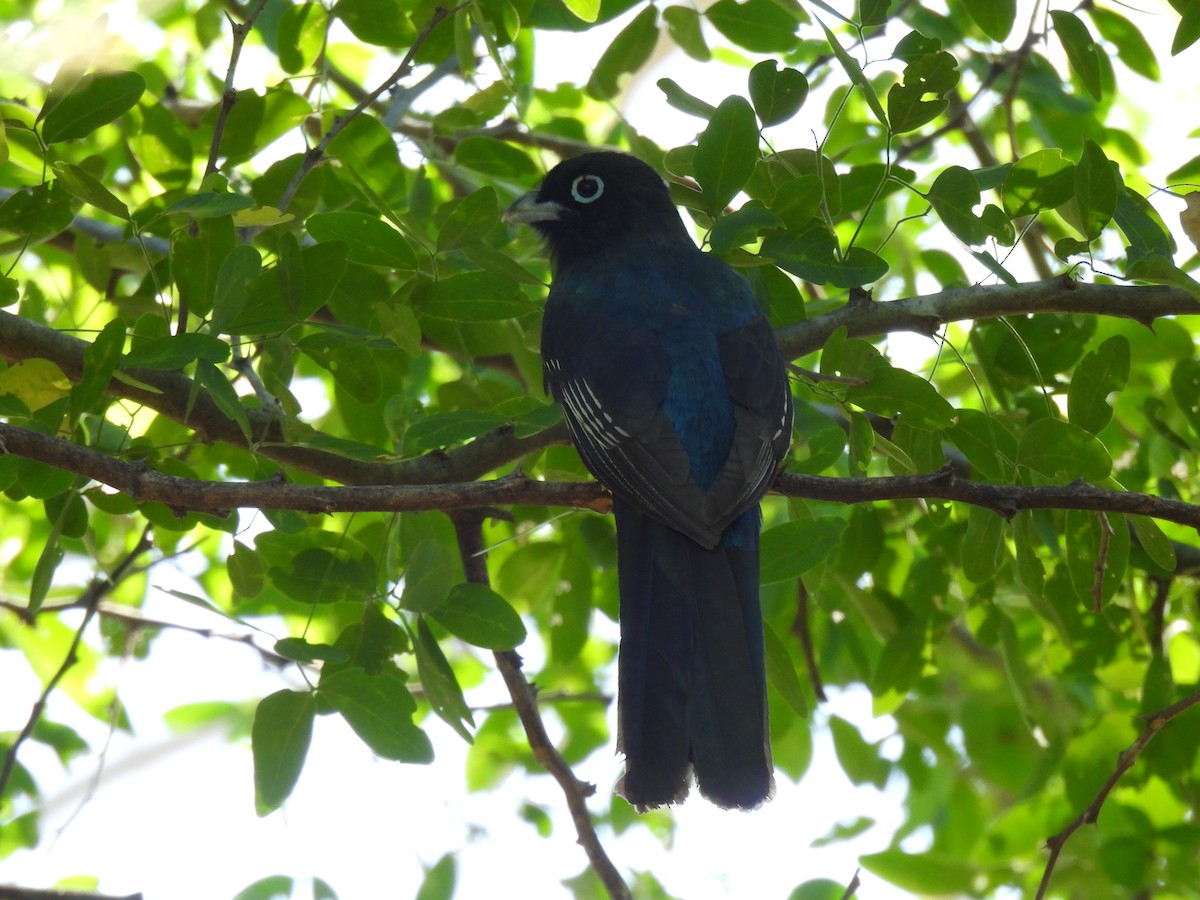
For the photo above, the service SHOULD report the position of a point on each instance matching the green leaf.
(777, 94)
(237, 271)
(79, 183)
(683, 101)
(726, 153)
(994, 17)
(440, 879)
(175, 352)
(1159, 268)
(685, 28)
(781, 672)
(926, 874)
(1040, 181)
(921, 97)
(370, 240)
(892, 391)
(1063, 451)
(472, 297)
(1097, 183)
(99, 362)
(300, 650)
(742, 227)
(873, 12)
(987, 445)
(344, 356)
(324, 575)
(209, 205)
(442, 692)
(309, 280)
(431, 571)
(1131, 44)
(983, 545)
(1141, 224)
(273, 887)
(586, 10)
(51, 555)
(94, 100)
(855, 73)
(469, 220)
(954, 195)
(279, 742)
(761, 26)
(300, 36)
(1082, 53)
(379, 708)
(903, 659)
(1083, 537)
(1185, 388)
(1188, 31)
(1156, 544)
(480, 616)
(196, 257)
(791, 549)
(1101, 372)
(223, 395)
(859, 760)
(628, 52)
(383, 23)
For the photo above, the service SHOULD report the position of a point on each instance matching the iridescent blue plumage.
(677, 399)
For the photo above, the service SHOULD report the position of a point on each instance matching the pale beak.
(527, 210)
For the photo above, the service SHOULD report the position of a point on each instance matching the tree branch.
(1155, 722)
(317, 153)
(174, 395)
(927, 314)
(11, 892)
(90, 601)
(468, 529)
(195, 495)
(229, 94)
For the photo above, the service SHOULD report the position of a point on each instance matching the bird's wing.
(611, 377)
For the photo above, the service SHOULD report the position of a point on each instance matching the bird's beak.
(527, 209)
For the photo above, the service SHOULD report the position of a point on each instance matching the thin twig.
(317, 153)
(1101, 564)
(801, 630)
(1155, 722)
(468, 529)
(852, 887)
(90, 601)
(229, 93)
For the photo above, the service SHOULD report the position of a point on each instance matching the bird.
(677, 399)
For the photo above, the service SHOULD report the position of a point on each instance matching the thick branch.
(171, 393)
(195, 495)
(928, 313)
(467, 527)
(1155, 722)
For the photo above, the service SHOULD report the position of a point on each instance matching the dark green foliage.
(366, 319)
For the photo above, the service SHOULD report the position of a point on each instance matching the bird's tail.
(692, 676)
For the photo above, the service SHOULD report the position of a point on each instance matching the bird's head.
(591, 202)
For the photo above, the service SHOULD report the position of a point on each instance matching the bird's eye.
(587, 188)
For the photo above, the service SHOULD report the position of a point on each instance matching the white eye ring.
(593, 185)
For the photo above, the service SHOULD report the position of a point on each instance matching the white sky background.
(173, 816)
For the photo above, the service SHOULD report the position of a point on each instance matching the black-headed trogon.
(677, 400)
